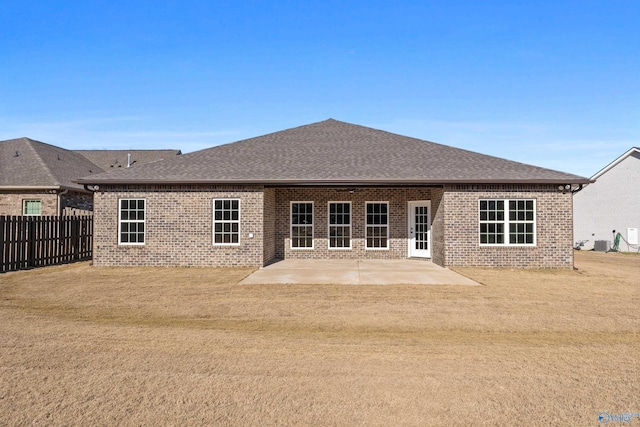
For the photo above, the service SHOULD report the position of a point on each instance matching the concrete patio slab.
(356, 272)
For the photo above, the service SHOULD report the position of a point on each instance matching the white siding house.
(611, 203)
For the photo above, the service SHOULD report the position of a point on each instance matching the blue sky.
(551, 83)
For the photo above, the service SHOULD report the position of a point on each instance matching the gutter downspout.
(578, 189)
(59, 204)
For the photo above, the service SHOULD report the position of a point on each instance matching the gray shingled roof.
(25, 163)
(335, 153)
(111, 160)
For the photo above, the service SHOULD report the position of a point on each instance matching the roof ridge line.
(131, 149)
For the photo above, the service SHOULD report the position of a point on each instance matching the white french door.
(419, 214)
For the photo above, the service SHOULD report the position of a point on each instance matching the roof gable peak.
(615, 162)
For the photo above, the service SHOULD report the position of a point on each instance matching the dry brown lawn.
(147, 346)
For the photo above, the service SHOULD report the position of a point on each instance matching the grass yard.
(145, 346)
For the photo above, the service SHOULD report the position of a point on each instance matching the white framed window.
(31, 207)
(131, 223)
(339, 225)
(301, 225)
(508, 222)
(226, 222)
(377, 225)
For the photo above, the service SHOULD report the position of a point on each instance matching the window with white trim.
(226, 221)
(508, 222)
(377, 225)
(31, 207)
(131, 224)
(302, 225)
(339, 225)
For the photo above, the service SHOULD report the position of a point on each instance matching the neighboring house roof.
(29, 164)
(110, 160)
(334, 153)
(615, 162)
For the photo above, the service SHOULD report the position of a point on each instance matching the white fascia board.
(615, 162)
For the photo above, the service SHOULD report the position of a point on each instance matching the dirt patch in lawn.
(137, 346)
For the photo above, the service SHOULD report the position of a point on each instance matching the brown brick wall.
(397, 198)
(73, 203)
(554, 228)
(11, 202)
(437, 227)
(178, 227)
(269, 226)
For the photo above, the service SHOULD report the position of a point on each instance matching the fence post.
(30, 242)
(3, 256)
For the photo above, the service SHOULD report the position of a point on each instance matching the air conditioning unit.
(602, 246)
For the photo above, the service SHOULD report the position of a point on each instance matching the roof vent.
(17, 154)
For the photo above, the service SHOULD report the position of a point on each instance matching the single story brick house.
(40, 179)
(334, 190)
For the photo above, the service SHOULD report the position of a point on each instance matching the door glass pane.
(421, 226)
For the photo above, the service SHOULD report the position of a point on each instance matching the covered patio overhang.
(355, 223)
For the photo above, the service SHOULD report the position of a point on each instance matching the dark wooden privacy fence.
(37, 241)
